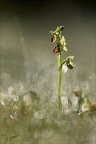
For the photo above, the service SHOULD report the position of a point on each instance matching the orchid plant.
(64, 65)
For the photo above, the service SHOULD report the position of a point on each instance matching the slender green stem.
(59, 48)
(59, 85)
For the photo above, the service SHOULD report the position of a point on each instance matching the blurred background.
(25, 46)
(28, 72)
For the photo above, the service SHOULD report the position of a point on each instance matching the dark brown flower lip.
(56, 49)
(53, 39)
(69, 66)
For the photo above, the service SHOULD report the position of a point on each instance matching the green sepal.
(64, 48)
(63, 43)
(70, 58)
(57, 31)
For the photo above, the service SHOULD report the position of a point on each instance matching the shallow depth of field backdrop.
(27, 63)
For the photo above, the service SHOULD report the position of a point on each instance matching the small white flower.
(64, 68)
(10, 90)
